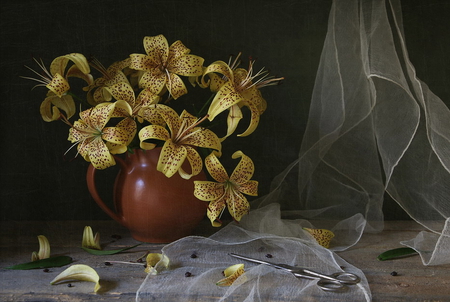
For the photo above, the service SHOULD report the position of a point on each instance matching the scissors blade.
(289, 268)
(254, 260)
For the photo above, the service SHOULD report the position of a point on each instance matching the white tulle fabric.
(373, 127)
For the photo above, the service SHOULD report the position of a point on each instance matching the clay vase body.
(154, 208)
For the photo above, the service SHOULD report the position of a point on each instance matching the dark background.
(39, 183)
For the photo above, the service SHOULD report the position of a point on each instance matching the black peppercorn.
(69, 285)
(269, 256)
(187, 274)
(46, 270)
(394, 273)
(194, 256)
(108, 263)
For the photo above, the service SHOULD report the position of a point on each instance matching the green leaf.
(397, 253)
(44, 263)
(108, 252)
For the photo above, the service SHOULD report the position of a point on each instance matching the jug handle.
(90, 177)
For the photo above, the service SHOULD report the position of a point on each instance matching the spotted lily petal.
(231, 274)
(157, 48)
(195, 162)
(171, 158)
(208, 190)
(154, 80)
(89, 241)
(215, 168)
(244, 170)
(237, 205)
(122, 91)
(249, 188)
(176, 86)
(58, 85)
(322, 236)
(187, 65)
(122, 134)
(80, 272)
(226, 97)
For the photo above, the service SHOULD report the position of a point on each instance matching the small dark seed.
(394, 273)
(269, 256)
(194, 256)
(108, 263)
(187, 274)
(342, 267)
(46, 270)
(69, 285)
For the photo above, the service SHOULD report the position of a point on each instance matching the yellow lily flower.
(241, 88)
(89, 241)
(112, 75)
(162, 65)
(182, 136)
(56, 80)
(44, 249)
(227, 191)
(90, 134)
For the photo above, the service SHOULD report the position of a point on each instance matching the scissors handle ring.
(346, 278)
(331, 285)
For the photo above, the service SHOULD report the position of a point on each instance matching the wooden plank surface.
(414, 281)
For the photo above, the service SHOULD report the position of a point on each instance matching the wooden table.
(414, 281)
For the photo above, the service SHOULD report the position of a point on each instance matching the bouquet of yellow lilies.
(128, 107)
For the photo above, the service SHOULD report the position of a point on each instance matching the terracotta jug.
(153, 207)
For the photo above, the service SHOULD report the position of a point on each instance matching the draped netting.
(373, 128)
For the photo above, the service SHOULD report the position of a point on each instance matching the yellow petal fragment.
(231, 274)
(80, 272)
(89, 241)
(154, 259)
(44, 249)
(322, 236)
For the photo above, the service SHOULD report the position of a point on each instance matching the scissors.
(334, 282)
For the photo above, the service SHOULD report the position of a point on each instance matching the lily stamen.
(44, 79)
(181, 135)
